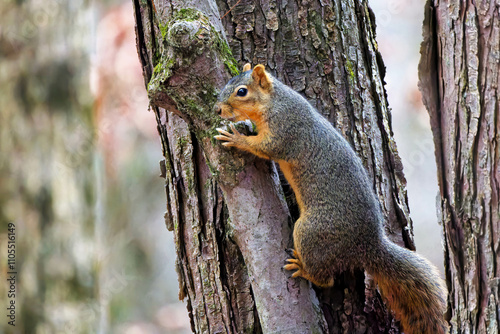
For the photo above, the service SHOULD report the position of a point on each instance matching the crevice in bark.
(348, 103)
(290, 198)
(153, 25)
(429, 83)
(199, 162)
(482, 275)
(180, 240)
(141, 44)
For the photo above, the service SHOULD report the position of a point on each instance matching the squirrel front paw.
(244, 137)
(235, 139)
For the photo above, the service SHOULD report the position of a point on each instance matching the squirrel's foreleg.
(252, 144)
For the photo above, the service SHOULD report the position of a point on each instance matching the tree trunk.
(460, 83)
(230, 213)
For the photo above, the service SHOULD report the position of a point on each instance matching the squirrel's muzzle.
(218, 108)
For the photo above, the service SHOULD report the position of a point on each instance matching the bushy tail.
(413, 289)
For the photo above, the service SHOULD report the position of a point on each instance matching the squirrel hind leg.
(300, 271)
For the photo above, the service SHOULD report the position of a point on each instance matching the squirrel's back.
(326, 174)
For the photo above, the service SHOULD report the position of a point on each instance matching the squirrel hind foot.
(297, 265)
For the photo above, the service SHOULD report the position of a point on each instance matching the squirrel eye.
(242, 92)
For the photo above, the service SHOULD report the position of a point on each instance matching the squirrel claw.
(233, 128)
(225, 136)
(235, 139)
(290, 267)
(223, 132)
(294, 264)
(221, 137)
(294, 261)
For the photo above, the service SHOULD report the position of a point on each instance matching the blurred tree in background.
(47, 173)
(78, 174)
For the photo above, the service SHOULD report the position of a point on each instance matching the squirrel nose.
(218, 109)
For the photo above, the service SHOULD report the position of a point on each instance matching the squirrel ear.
(247, 67)
(261, 77)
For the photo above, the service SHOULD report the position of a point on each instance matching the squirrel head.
(246, 96)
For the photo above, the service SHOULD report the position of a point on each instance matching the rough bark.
(227, 209)
(460, 83)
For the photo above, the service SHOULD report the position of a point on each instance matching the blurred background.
(79, 166)
(399, 33)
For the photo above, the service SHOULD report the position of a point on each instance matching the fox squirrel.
(340, 224)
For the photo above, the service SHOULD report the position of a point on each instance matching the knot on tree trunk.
(184, 35)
